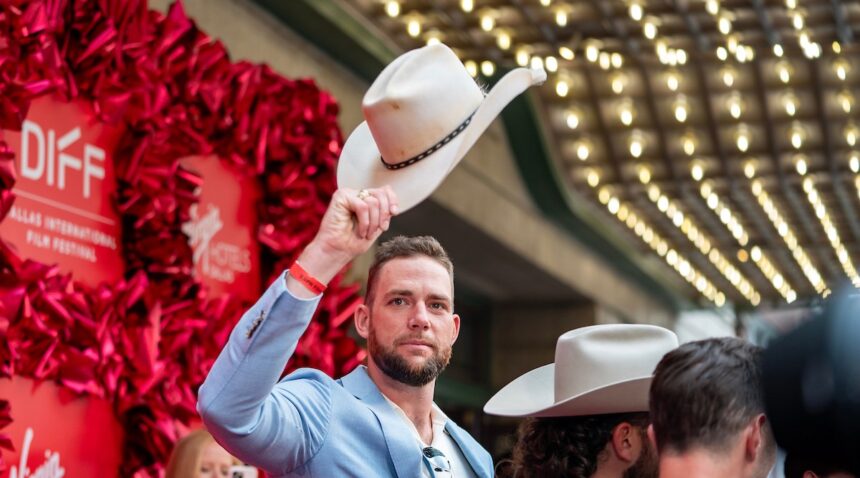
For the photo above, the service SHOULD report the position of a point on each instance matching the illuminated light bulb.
(789, 101)
(536, 62)
(712, 6)
(797, 20)
(625, 113)
(545, 3)
(681, 109)
(846, 101)
(636, 146)
(488, 68)
(728, 77)
(613, 205)
(681, 55)
(837, 48)
(649, 29)
(392, 8)
(644, 175)
(697, 172)
(583, 150)
(593, 178)
(791, 4)
(722, 53)
(749, 170)
(471, 67)
(561, 17)
(565, 53)
(783, 70)
(724, 24)
(487, 22)
(732, 43)
(635, 11)
(503, 40)
(851, 135)
(742, 55)
(591, 52)
(434, 37)
(604, 195)
(735, 108)
(800, 165)
(841, 69)
(688, 142)
(618, 81)
(803, 39)
(796, 136)
(572, 119)
(551, 64)
(854, 162)
(562, 88)
(413, 28)
(778, 51)
(467, 5)
(617, 60)
(672, 81)
(523, 57)
(742, 140)
(604, 60)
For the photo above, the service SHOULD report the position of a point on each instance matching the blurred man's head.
(706, 399)
(576, 447)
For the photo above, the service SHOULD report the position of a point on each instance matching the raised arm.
(279, 425)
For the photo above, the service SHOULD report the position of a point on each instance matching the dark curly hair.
(566, 446)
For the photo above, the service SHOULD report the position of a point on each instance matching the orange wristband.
(307, 280)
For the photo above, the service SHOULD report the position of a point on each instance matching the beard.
(648, 465)
(399, 368)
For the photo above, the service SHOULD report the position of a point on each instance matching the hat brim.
(360, 165)
(532, 395)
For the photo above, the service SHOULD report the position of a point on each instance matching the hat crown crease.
(418, 101)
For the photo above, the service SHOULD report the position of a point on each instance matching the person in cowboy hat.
(588, 411)
(707, 411)
(422, 114)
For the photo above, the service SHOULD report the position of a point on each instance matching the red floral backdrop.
(147, 342)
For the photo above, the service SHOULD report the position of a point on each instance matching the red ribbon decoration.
(147, 342)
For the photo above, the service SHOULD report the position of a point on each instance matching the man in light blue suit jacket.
(379, 420)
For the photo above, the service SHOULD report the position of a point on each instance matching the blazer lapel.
(402, 448)
(474, 460)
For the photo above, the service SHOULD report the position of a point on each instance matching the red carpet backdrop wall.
(149, 189)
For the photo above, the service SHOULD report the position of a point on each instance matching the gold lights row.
(785, 232)
(627, 215)
(696, 235)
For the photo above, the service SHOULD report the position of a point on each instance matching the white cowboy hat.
(599, 369)
(423, 113)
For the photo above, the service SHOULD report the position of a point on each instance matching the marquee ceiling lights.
(728, 126)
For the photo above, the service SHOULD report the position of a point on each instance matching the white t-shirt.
(442, 441)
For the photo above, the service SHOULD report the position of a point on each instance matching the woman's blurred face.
(215, 462)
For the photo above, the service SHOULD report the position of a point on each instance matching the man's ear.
(361, 316)
(809, 474)
(754, 440)
(624, 444)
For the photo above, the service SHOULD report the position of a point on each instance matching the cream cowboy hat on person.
(423, 113)
(599, 369)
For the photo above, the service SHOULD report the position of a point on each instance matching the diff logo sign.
(222, 229)
(63, 212)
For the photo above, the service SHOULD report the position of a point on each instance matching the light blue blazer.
(307, 424)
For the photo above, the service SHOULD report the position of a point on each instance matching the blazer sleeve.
(275, 426)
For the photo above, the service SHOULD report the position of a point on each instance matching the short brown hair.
(403, 246)
(704, 393)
